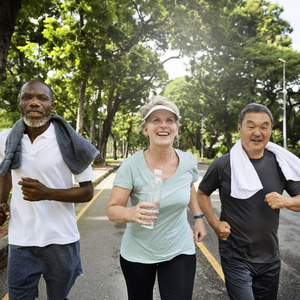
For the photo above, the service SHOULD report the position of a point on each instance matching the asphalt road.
(100, 244)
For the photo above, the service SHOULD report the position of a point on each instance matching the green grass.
(110, 159)
(207, 160)
(197, 155)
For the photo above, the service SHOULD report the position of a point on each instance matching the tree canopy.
(104, 58)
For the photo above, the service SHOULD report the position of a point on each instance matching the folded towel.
(244, 179)
(77, 152)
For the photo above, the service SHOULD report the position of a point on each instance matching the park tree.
(240, 64)
(21, 67)
(103, 58)
(237, 64)
(184, 94)
(97, 54)
(8, 14)
(105, 53)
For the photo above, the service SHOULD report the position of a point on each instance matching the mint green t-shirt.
(172, 235)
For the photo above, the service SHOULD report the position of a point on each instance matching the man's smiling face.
(36, 104)
(255, 133)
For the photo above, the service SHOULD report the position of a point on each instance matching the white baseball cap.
(156, 107)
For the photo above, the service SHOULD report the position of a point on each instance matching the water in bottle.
(154, 194)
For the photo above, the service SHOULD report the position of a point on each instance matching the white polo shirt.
(45, 222)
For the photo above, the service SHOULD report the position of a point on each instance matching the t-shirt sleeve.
(292, 188)
(194, 166)
(86, 175)
(124, 177)
(211, 180)
(3, 137)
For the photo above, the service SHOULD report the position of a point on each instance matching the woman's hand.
(144, 212)
(118, 211)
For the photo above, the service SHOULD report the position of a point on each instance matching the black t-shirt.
(254, 224)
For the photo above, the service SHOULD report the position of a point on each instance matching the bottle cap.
(157, 172)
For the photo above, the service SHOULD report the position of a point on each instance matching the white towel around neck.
(244, 179)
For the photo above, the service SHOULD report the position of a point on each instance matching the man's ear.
(53, 106)
(239, 127)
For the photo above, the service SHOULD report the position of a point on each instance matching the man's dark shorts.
(60, 265)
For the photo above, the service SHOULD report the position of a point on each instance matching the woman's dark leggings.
(175, 278)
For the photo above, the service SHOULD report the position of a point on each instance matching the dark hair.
(255, 107)
(51, 92)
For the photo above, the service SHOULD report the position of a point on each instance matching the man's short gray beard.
(36, 124)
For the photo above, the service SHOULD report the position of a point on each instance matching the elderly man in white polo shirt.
(41, 155)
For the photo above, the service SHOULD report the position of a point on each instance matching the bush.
(295, 151)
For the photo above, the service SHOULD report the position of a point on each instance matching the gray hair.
(255, 107)
(158, 100)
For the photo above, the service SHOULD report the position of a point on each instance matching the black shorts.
(60, 265)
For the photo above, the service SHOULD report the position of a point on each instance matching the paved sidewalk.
(100, 173)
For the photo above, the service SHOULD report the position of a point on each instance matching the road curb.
(102, 177)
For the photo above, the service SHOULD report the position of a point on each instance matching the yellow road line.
(210, 259)
(78, 216)
(200, 245)
(90, 203)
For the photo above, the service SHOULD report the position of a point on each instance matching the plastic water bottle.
(154, 194)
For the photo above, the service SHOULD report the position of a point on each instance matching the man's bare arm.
(5, 187)
(221, 228)
(34, 190)
(277, 201)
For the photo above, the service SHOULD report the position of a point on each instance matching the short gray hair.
(255, 107)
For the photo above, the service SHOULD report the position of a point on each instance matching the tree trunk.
(128, 134)
(228, 137)
(112, 107)
(92, 138)
(213, 140)
(80, 111)
(8, 14)
(126, 149)
(100, 159)
(114, 146)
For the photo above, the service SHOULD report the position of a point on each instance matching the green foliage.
(182, 93)
(295, 151)
(240, 66)
(110, 159)
(7, 119)
(108, 55)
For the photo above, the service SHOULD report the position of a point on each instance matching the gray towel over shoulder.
(77, 152)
